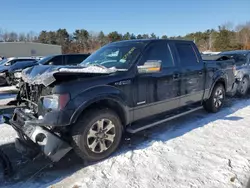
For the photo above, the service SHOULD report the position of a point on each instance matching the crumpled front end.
(36, 126)
(46, 75)
(33, 136)
(43, 124)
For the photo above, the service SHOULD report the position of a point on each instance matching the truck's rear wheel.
(97, 135)
(243, 87)
(216, 100)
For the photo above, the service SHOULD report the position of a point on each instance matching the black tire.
(243, 87)
(5, 166)
(81, 131)
(212, 104)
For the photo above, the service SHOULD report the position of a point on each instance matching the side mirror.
(149, 67)
(50, 63)
(7, 64)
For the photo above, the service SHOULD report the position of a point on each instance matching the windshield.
(2, 62)
(45, 60)
(119, 56)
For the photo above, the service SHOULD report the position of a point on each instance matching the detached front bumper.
(48, 142)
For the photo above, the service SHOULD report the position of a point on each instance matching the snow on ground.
(199, 150)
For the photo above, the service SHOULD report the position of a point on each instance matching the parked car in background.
(6, 63)
(242, 62)
(14, 72)
(124, 86)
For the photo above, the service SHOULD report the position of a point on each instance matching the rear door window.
(159, 51)
(74, 59)
(187, 54)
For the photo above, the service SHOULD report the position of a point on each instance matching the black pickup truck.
(124, 86)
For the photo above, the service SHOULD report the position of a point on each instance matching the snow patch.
(199, 150)
(89, 69)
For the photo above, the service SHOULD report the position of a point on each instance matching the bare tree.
(22, 37)
(243, 35)
(13, 37)
(5, 36)
(1, 34)
(30, 36)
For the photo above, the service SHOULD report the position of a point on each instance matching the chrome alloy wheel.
(243, 86)
(218, 97)
(101, 136)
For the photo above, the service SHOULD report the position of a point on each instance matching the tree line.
(84, 41)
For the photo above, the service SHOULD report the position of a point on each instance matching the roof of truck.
(151, 40)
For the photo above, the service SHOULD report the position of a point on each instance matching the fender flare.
(113, 95)
(220, 78)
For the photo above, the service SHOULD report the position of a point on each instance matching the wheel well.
(110, 104)
(247, 76)
(221, 81)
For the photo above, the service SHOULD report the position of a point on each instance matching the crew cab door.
(157, 92)
(192, 73)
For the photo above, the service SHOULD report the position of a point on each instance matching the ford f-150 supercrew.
(123, 86)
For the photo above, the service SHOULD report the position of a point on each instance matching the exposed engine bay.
(30, 95)
(34, 135)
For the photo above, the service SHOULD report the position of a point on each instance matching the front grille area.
(32, 93)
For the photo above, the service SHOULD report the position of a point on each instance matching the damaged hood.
(45, 74)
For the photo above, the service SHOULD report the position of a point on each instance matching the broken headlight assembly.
(18, 74)
(55, 102)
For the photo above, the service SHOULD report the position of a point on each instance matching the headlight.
(55, 101)
(17, 74)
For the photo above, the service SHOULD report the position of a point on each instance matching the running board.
(136, 128)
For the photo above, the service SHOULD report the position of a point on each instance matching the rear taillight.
(234, 70)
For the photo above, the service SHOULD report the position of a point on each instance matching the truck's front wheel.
(216, 100)
(97, 135)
